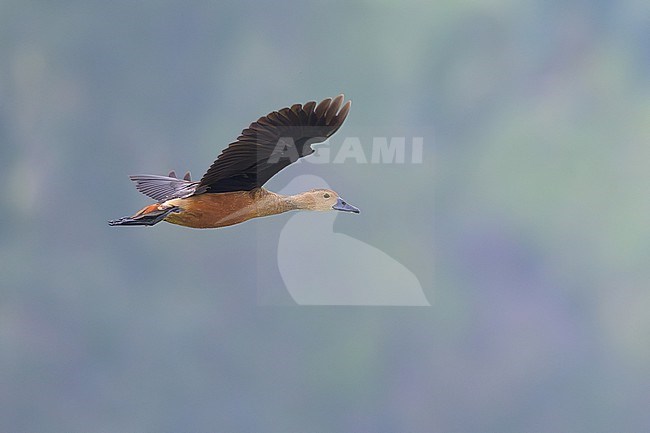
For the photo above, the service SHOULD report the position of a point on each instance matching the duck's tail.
(148, 216)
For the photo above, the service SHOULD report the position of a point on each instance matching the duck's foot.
(147, 219)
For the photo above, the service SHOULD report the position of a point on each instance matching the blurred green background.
(527, 222)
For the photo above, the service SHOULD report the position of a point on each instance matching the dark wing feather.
(272, 143)
(162, 188)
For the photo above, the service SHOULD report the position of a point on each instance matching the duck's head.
(325, 200)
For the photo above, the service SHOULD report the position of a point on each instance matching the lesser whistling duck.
(231, 191)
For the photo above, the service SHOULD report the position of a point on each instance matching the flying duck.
(232, 191)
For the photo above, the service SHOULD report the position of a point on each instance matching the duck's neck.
(293, 202)
(270, 203)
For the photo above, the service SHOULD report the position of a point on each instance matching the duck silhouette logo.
(364, 275)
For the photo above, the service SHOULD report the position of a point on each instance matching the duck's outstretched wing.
(272, 143)
(162, 188)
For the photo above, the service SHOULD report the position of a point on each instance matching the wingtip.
(342, 96)
(333, 108)
(343, 112)
(347, 104)
(322, 107)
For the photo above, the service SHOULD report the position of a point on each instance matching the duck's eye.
(326, 195)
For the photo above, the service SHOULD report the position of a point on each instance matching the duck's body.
(231, 191)
(206, 211)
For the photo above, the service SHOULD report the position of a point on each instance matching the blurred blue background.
(526, 223)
